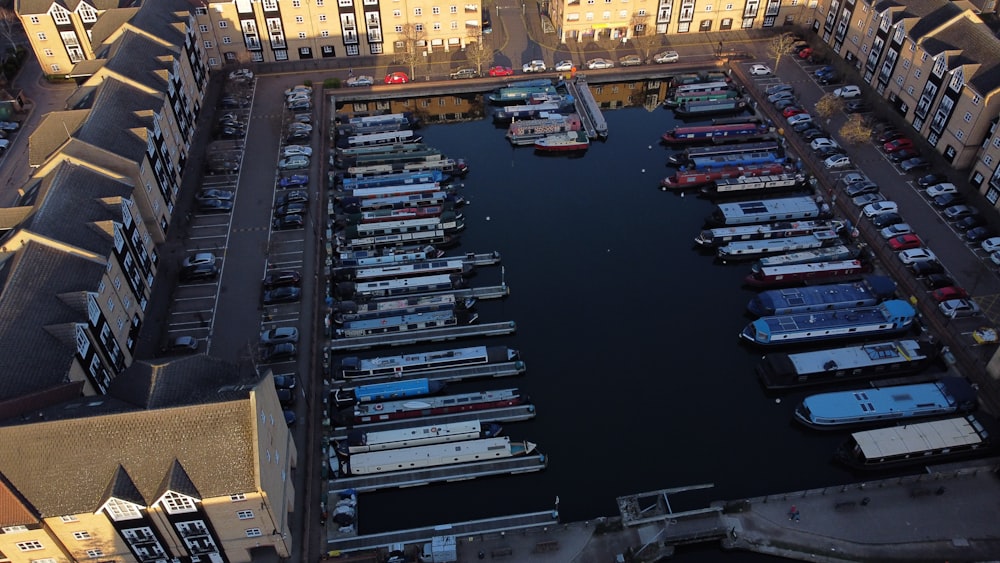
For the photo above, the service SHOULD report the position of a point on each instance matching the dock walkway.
(587, 108)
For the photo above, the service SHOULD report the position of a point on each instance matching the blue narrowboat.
(375, 392)
(865, 293)
(887, 318)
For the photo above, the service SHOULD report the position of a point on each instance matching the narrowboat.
(691, 179)
(515, 94)
(406, 118)
(452, 166)
(768, 211)
(350, 311)
(447, 199)
(754, 185)
(447, 222)
(405, 270)
(751, 249)
(825, 254)
(380, 149)
(402, 286)
(865, 293)
(373, 139)
(402, 214)
(779, 370)
(375, 392)
(716, 107)
(534, 109)
(722, 235)
(713, 162)
(395, 158)
(351, 367)
(684, 157)
(798, 274)
(530, 130)
(404, 322)
(428, 177)
(359, 441)
(698, 87)
(730, 132)
(706, 96)
(570, 141)
(881, 405)
(885, 319)
(434, 455)
(922, 443)
(391, 190)
(352, 258)
(365, 413)
(437, 238)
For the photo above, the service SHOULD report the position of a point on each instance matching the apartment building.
(934, 62)
(183, 461)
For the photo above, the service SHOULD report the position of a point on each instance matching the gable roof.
(52, 132)
(188, 380)
(939, 12)
(14, 509)
(977, 45)
(42, 6)
(115, 117)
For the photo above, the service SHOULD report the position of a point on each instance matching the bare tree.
(643, 35)
(856, 131)
(477, 52)
(780, 46)
(829, 105)
(10, 27)
(414, 42)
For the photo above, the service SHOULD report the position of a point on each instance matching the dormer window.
(87, 13)
(60, 15)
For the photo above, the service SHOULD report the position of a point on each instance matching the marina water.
(629, 335)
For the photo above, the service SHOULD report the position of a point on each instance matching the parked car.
(304, 105)
(288, 222)
(827, 152)
(666, 57)
(848, 92)
(903, 155)
(282, 294)
(290, 417)
(914, 164)
(938, 280)
(214, 205)
(292, 150)
(803, 125)
(536, 65)
(278, 353)
(813, 133)
(970, 222)
(290, 209)
(799, 118)
(782, 95)
(941, 189)
(912, 255)
(896, 230)
(284, 382)
(824, 71)
(883, 220)
(956, 308)
(861, 188)
(199, 258)
(298, 138)
(760, 70)
(630, 60)
(502, 71)
(890, 135)
(832, 78)
(837, 161)
(241, 74)
(947, 200)
(775, 88)
(215, 193)
(990, 245)
(905, 242)
(293, 181)
(279, 335)
(931, 179)
(599, 63)
(852, 178)
(298, 89)
(293, 162)
(9, 125)
(822, 142)
(184, 344)
(360, 80)
(785, 103)
(293, 196)
(897, 145)
(857, 106)
(880, 207)
(396, 78)
(298, 97)
(863, 200)
(199, 272)
(956, 212)
(792, 110)
(281, 278)
(926, 268)
(805, 53)
(464, 73)
(978, 234)
(949, 292)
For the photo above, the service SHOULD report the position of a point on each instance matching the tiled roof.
(183, 381)
(940, 12)
(14, 509)
(107, 25)
(123, 487)
(11, 217)
(42, 6)
(31, 357)
(52, 132)
(88, 67)
(214, 443)
(114, 113)
(141, 69)
(977, 44)
(160, 19)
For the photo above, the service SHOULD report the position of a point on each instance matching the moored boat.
(781, 370)
(432, 406)
(401, 214)
(743, 185)
(452, 166)
(434, 455)
(768, 211)
(922, 443)
(563, 142)
(448, 222)
(825, 254)
(405, 322)
(528, 131)
(684, 157)
(534, 108)
(515, 94)
(381, 243)
(353, 367)
(691, 179)
(359, 441)
(865, 293)
(713, 162)
(709, 95)
(722, 133)
(445, 198)
(887, 318)
(881, 405)
(401, 286)
(349, 311)
(404, 270)
(376, 392)
(713, 107)
(750, 249)
(798, 274)
(428, 177)
(723, 235)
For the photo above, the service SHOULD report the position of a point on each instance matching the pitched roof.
(214, 443)
(52, 132)
(977, 44)
(32, 355)
(161, 19)
(107, 25)
(939, 12)
(14, 509)
(114, 116)
(141, 69)
(123, 487)
(183, 381)
(42, 6)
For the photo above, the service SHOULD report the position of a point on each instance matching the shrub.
(331, 83)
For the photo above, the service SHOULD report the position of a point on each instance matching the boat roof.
(737, 230)
(443, 400)
(920, 437)
(422, 357)
(403, 282)
(421, 383)
(813, 267)
(885, 400)
(766, 180)
(407, 455)
(850, 357)
(764, 206)
(410, 268)
(877, 286)
(409, 433)
(722, 127)
(776, 244)
(811, 321)
(701, 86)
(427, 316)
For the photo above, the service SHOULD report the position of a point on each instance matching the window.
(397, 13)
(324, 33)
(203, 28)
(729, 6)
(996, 142)
(208, 44)
(319, 3)
(245, 514)
(176, 503)
(322, 17)
(589, 16)
(41, 37)
(708, 8)
(910, 90)
(49, 53)
(606, 15)
(95, 553)
(436, 10)
(226, 40)
(253, 533)
(968, 117)
(960, 134)
(399, 29)
(14, 529)
(899, 80)
(418, 11)
(69, 518)
(906, 64)
(299, 19)
(81, 535)
(624, 14)
(419, 27)
(61, 17)
(453, 10)
(454, 25)
(923, 57)
(976, 99)
(223, 24)
(916, 73)
(34, 19)
(29, 545)
(237, 497)
(212, 61)
(302, 35)
(988, 160)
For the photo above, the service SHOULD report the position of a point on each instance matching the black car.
(199, 272)
(214, 206)
(978, 234)
(230, 133)
(827, 152)
(931, 179)
(786, 103)
(288, 222)
(802, 126)
(289, 417)
(914, 164)
(832, 78)
(278, 352)
(814, 133)
(903, 154)
(890, 135)
(286, 397)
(300, 138)
(282, 278)
(883, 220)
(970, 222)
(284, 382)
(947, 200)
(817, 58)
(861, 188)
(293, 196)
(284, 294)
(857, 106)
(926, 267)
(290, 209)
(937, 281)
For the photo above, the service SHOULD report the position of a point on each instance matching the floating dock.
(420, 336)
(460, 472)
(451, 375)
(516, 413)
(587, 108)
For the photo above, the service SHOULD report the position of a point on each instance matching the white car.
(879, 207)
(837, 161)
(298, 88)
(564, 66)
(823, 143)
(666, 57)
(954, 308)
(292, 150)
(598, 63)
(991, 244)
(995, 257)
(198, 259)
(912, 255)
(941, 189)
(896, 230)
(241, 74)
(799, 118)
(361, 80)
(298, 97)
(760, 70)
(280, 334)
(847, 92)
(533, 66)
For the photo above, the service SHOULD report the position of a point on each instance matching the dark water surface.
(629, 335)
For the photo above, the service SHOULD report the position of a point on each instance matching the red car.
(804, 53)
(396, 78)
(905, 242)
(501, 71)
(792, 110)
(898, 145)
(949, 292)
